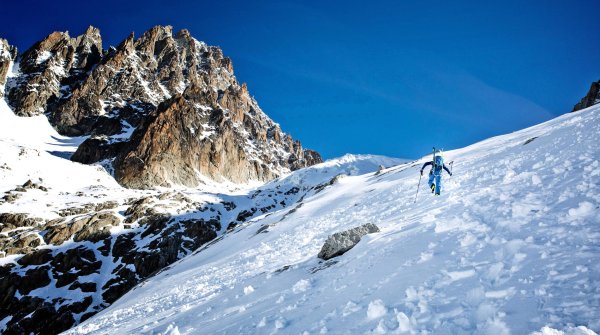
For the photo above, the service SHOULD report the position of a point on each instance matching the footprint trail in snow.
(510, 247)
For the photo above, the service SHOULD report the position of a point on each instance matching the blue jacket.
(431, 171)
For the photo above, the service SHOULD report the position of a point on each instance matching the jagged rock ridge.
(591, 98)
(160, 110)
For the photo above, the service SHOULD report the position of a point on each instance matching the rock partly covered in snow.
(338, 243)
(192, 134)
(591, 98)
(80, 252)
(8, 53)
(50, 66)
(162, 109)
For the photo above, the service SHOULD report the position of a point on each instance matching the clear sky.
(381, 77)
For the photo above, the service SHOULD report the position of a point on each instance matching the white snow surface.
(34, 133)
(32, 150)
(44, 56)
(510, 247)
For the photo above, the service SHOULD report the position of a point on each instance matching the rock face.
(592, 98)
(338, 243)
(8, 53)
(162, 109)
(49, 67)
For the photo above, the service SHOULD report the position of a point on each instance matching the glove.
(450, 174)
(421, 172)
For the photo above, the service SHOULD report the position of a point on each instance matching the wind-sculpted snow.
(510, 247)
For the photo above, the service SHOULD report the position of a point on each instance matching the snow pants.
(438, 182)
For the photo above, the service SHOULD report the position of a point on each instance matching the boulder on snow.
(338, 243)
(332, 181)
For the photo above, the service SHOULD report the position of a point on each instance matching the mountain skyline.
(162, 109)
(405, 78)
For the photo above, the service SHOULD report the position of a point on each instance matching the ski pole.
(451, 164)
(418, 186)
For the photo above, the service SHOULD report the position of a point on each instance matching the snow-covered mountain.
(159, 110)
(510, 247)
(73, 240)
(128, 242)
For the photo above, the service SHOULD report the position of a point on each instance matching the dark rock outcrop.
(16, 236)
(338, 243)
(10, 221)
(19, 243)
(332, 181)
(13, 195)
(592, 97)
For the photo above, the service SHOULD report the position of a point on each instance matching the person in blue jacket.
(435, 174)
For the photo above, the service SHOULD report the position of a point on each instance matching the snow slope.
(510, 247)
(31, 150)
(35, 132)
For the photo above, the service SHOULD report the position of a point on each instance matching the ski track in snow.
(511, 247)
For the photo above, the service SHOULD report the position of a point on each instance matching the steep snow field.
(34, 132)
(510, 247)
(32, 150)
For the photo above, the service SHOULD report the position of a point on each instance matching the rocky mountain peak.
(48, 67)
(183, 34)
(127, 45)
(88, 45)
(591, 98)
(147, 43)
(159, 110)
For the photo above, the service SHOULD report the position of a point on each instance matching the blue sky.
(382, 77)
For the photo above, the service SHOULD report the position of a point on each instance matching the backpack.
(438, 164)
